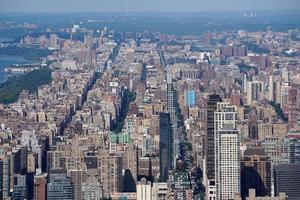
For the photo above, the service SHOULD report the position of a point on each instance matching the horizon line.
(145, 11)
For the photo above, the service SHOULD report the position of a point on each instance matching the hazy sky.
(144, 5)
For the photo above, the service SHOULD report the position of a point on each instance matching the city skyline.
(149, 100)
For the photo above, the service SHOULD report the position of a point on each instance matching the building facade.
(227, 157)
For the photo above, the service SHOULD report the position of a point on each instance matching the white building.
(210, 191)
(30, 139)
(227, 163)
(91, 190)
(159, 190)
(285, 74)
(144, 190)
(69, 64)
(245, 84)
(284, 92)
(255, 91)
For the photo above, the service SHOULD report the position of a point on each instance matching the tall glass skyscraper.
(209, 144)
(165, 133)
(171, 108)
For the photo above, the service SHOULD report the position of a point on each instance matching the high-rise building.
(271, 88)
(1, 178)
(245, 83)
(292, 107)
(4, 177)
(155, 167)
(227, 158)
(255, 172)
(165, 145)
(130, 165)
(31, 162)
(18, 162)
(292, 148)
(284, 95)
(20, 190)
(60, 187)
(91, 189)
(253, 124)
(241, 51)
(53, 41)
(285, 74)
(278, 85)
(110, 166)
(209, 144)
(40, 183)
(144, 190)
(144, 166)
(77, 177)
(254, 91)
(171, 108)
(227, 51)
(287, 180)
(273, 147)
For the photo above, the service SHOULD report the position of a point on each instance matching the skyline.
(144, 5)
(150, 99)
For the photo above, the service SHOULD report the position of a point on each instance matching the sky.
(144, 5)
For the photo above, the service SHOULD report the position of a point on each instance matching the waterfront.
(5, 61)
(6, 39)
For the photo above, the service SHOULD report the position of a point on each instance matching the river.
(5, 61)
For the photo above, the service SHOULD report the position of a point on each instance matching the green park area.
(10, 90)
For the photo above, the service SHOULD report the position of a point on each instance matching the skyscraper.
(110, 166)
(130, 165)
(245, 84)
(209, 147)
(227, 158)
(287, 180)
(254, 91)
(20, 187)
(77, 177)
(171, 108)
(292, 148)
(271, 88)
(4, 177)
(292, 107)
(40, 182)
(209, 137)
(285, 74)
(165, 145)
